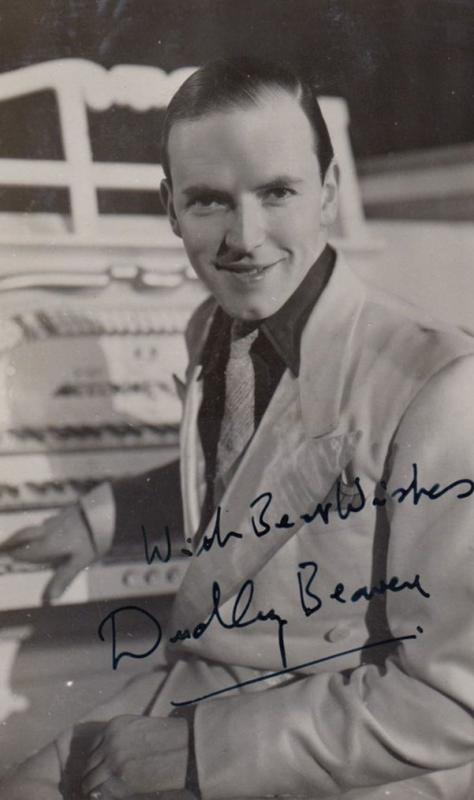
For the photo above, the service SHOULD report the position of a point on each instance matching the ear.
(166, 193)
(330, 195)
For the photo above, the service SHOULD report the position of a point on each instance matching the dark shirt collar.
(284, 328)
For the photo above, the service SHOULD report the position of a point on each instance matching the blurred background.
(404, 67)
(95, 292)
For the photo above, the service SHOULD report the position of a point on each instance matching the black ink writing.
(305, 590)
(238, 619)
(216, 537)
(156, 553)
(297, 668)
(435, 492)
(117, 657)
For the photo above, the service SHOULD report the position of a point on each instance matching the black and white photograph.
(236, 399)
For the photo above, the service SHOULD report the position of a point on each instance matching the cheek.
(299, 229)
(309, 222)
(201, 237)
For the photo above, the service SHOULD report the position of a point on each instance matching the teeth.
(255, 272)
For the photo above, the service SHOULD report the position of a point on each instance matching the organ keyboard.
(88, 395)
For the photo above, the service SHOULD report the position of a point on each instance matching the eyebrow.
(279, 180)
(204, 188)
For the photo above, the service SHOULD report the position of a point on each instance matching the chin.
(248, 314)
(250, 309)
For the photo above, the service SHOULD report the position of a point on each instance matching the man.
(321, 642)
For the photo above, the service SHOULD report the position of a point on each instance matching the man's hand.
(63, 541)
(137, 755)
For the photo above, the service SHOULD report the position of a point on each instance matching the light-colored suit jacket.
(378, 428)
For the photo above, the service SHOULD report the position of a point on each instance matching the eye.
(206, 203)
(279, 193)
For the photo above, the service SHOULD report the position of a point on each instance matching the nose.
(245, 230)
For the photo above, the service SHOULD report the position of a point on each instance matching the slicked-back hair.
(229, 83)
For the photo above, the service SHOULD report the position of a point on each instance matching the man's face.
(247, 200)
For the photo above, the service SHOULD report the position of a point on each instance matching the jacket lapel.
(328, 348)
(191, 455)
(300, 449)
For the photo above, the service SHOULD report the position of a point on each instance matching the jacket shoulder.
(416, 343)
(396, 354)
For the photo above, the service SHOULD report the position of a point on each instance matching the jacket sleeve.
(152, 500)
(332, 732)
(116, 511)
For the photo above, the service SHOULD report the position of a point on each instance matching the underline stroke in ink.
(296, 668)
(323, 512)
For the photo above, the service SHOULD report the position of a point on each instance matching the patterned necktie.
(238, 421)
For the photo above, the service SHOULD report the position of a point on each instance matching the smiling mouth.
(246, 270)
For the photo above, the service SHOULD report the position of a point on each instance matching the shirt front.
(276, 348)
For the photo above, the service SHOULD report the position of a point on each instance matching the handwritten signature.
(239, 616)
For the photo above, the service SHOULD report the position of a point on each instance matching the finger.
(61, 579)
(34, 551)
(33, 544)
(20, 538)
(96, 778)
(97, 741)
(94, 760)
(110, 789)
(100, 794)
(113, 789)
